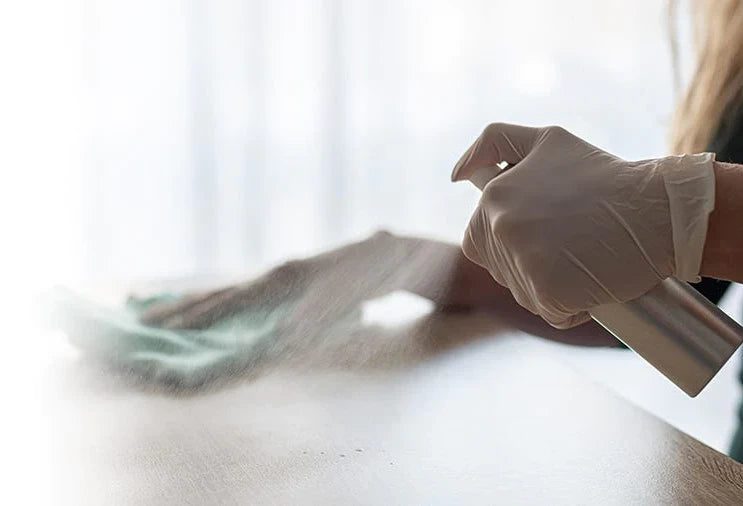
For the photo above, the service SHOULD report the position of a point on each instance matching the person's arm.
(368, 269)
(723, 249)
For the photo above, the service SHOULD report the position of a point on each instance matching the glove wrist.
(690, 185)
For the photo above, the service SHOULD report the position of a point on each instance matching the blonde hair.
(716, 86)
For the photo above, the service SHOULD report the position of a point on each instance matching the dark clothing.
(727, 144)
(713, 289)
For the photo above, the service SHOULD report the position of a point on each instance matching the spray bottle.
(673, 327)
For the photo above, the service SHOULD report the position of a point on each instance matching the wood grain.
(443, 410)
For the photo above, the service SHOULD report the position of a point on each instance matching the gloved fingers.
(480, 246)
(562, 321)
(473, 235)
(525, 298)
(499, 142)
(476, 245)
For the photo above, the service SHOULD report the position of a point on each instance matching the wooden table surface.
(439, 410)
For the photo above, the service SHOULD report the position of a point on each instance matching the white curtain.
(226, 135)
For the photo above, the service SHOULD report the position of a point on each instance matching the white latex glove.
(571, 227)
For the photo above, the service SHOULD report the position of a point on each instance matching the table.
(440, 409)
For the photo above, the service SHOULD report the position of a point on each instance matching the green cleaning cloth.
(176, 358)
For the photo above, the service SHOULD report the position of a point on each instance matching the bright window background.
(222, 136)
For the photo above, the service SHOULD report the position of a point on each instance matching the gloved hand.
(571, 227)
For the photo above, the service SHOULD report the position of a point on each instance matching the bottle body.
(677, 330)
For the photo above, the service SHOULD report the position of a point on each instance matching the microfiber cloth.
(174, 357)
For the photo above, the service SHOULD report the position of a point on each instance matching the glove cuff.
(690, 186)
